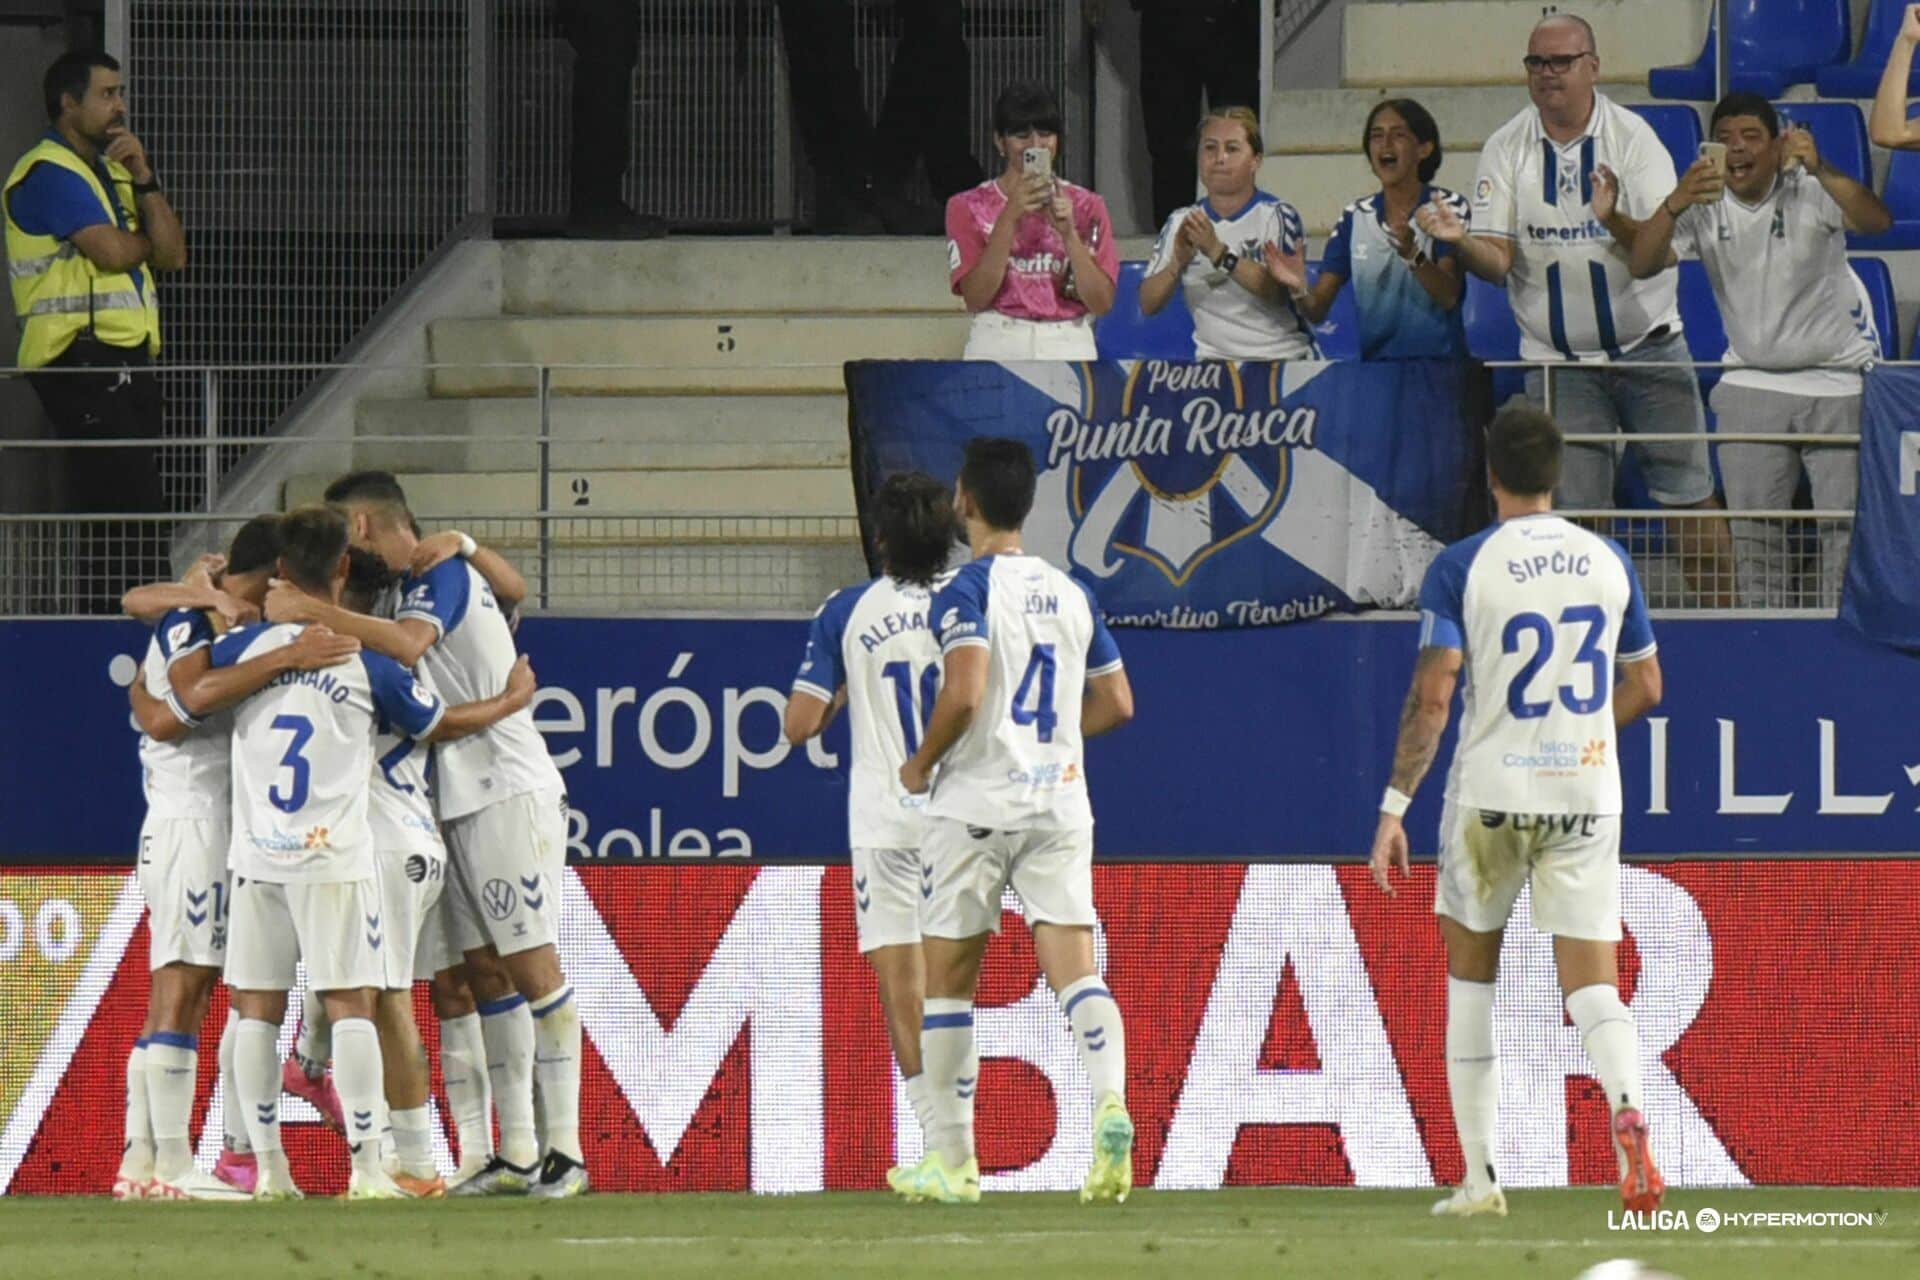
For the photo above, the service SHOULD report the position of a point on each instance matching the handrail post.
(546, 479)
(209, 449)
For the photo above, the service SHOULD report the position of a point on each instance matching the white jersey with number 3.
(1018, 766)
(1543, 610)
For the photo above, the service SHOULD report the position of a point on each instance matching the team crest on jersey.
(420, 694)
(178, 634)
(1192, 459)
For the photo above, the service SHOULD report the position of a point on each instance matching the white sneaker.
(467, 1172)
(1464, 1204)
(194, 1185)
(125, 1188)
(373, 1184)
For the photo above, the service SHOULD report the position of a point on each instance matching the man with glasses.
(1534, 230)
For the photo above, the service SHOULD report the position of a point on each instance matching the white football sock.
(313, 1043)
(173, 1063)
(507, 1028)
(413, 1140)
(556, 1067)
(921, 1097)
(463, 1069)
(946, 1050)
(1473, 1078)
(356, 1075)
(1098, 1034)
(232, 1117)
(136, 1155)
(256, 1074)
(1613, 1046)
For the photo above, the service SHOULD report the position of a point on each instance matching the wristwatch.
(1228, 261)
(151, 187)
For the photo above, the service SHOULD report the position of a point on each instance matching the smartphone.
(1716, 152)
(1039, 160)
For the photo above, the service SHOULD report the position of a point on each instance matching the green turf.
(1205, 1235)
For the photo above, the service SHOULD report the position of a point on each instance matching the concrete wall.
(28, 477)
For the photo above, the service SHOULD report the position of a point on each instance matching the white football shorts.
(1571, 861)
(508, 862)
(887, 893)
(411, 884)
(338, 929)
(967, 867)
(184, 878)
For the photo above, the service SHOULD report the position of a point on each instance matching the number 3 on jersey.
(1589, 655)
(295, 799)
(1036, 687)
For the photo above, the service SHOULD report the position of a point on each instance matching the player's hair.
(1593, 44)
(1745, 104)
(1026, 104)
(367, 577)
(998, 476)
(1523, 451)
(312, 540)
(913, 516)
(1420, 124)
(255, 547)
(1245, 117)
(71, 73)
(374, 488)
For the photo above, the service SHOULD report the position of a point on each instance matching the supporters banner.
(1882, 594)
(1775, 737)
(1285, 1024)
(1205, 495)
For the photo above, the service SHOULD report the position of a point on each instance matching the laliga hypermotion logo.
(1178, 470)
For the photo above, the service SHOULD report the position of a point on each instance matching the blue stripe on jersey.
(1549, 172)
(1557, 312)
(1603, 310)
(1586, 171)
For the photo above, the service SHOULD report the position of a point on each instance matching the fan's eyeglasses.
(1559, 64)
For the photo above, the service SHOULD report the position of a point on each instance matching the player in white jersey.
(183, 858)
(1029, 671)
(305, 885)
(1612, 346)
(502, 807)
(1547, 621)
(1773, 239)
(872, 646)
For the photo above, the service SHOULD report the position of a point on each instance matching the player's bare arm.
(155, 718)
(963, 685)
(509, 588)
(1423, 722)
(1638, 691)
(808, 715)
(469, 718)
(204, 689)
(197, 590)
(1108, 704)
(405, 641)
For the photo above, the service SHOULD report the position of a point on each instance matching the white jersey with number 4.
(875, 639)
(1018, 766)
(303, 759)
(1543, 611)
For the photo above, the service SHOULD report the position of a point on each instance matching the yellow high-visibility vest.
(58, 293)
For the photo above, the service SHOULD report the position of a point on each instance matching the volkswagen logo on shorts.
(417, 869)
(498, 897)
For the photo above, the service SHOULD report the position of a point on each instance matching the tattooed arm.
(1423, 721)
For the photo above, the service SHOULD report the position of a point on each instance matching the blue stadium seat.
(1700, 313)
(1874, 274)
(1339, 334)
(1861, 77)
(1126, 332)
(1772, 44)
(1493, 334)
(1838, 129)
(1902, 194)
(1678, 127)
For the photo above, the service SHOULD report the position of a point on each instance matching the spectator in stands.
(1189, 48)
(1579, 308)
(1407, 286)
(88, 225)
(1799, 325)
(605, 35)
(1889, 125)
(1211, 251)
(1032, 254)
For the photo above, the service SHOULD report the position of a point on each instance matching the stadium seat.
(1126, 333)
(1861, 77)
(1772, 44)
(1493, 334)
(1902, 194)
(1339, 334)
(1878, 279)
(1838, 129)
(1678, 127)
(1700, 313)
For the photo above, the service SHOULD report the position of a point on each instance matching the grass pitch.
(1210, 1235)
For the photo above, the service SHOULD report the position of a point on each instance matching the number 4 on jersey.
(1036, 686)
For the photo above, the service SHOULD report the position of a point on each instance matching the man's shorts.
(887, 891)
(966, 868)
(411, 885)
(338, 929)
(1572, 862)
(508, 863)
(1603, 399)
(183, 875)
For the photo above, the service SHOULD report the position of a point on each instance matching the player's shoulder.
(839, 605)
(178, 629)
(1461, 555)
(972, 579)
(241, 640)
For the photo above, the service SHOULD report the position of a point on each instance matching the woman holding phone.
(1889, 125)
(1031, 254)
